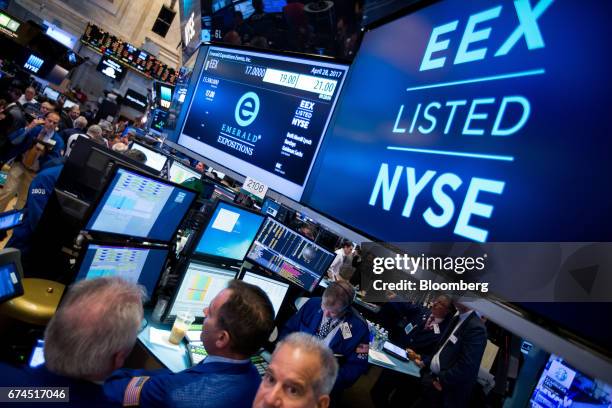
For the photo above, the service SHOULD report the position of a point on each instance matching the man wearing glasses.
(339, 326)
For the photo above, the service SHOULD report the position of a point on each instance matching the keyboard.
(260, 364)
(197, 353)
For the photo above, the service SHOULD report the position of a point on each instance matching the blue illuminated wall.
(480, 120)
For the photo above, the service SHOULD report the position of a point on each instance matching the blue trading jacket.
(308, 319)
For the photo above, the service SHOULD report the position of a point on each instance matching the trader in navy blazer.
(238, 322)
(333, 320)
(449, 375)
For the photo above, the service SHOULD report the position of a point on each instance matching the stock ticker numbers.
(127, 54)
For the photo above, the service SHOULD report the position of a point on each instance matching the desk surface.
(175, 360)
(405, 367)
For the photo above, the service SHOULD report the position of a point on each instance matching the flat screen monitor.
(9, 282)
(69, 104)
(179, 172)
(159, 120)
(136, 264)
(155, 159)
(140, 206)
(468, 128)
(51, 93)
(223, 192)
(229, 233)
(290, 255)
(10, 274)
(560, 385)
(111, 68)
(275, 290)
(270, 207)
(262, 114)
(200, 284)
(246, 8)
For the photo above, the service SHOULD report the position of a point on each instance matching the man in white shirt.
(344, 256)
(94, 132)
(28, 96)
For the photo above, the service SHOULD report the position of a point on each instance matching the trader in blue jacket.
(333, 320)
(39, 193)
(33, 146)
(238, 322)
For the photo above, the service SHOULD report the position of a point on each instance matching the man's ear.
(119, 358)
(323, 401)
(223, 339)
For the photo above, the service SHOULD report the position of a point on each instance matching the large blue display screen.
(262, 115)
(480, 120)
(142, 207)
(134, 264)
(230, 232)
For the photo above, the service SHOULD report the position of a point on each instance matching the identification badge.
(436, 328)
(453, 339)
(408, 328)
(346, 331)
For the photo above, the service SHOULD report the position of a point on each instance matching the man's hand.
(412, 354)
(35, 123)
(437, 385)
(419, 362)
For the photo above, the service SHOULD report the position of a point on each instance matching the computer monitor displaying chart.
(138, 264)
(200, 284)
(179, 172)
(141, 206)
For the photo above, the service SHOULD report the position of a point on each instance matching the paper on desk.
(382, 357)
(488, 358)
(160, 337)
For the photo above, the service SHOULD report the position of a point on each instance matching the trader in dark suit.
(449, 375)
(420, 335)
(339, 326)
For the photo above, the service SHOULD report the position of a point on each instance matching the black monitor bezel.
(100, 235)
(118, 244)
(13, 256)
(219, 260)
(183, 272)
(247, 259)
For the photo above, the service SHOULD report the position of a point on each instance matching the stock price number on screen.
(255, 71)
(288, 79)
(324, 86)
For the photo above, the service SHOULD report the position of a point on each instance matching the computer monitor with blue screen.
(229, 233)
(137, 264)
(200, 284)
(155, 159)
(290, 255)
(270, 207)
(179, 172)
(51, 93)
(10, 275)
(275, 290)
(560, 385)
(140, 206)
